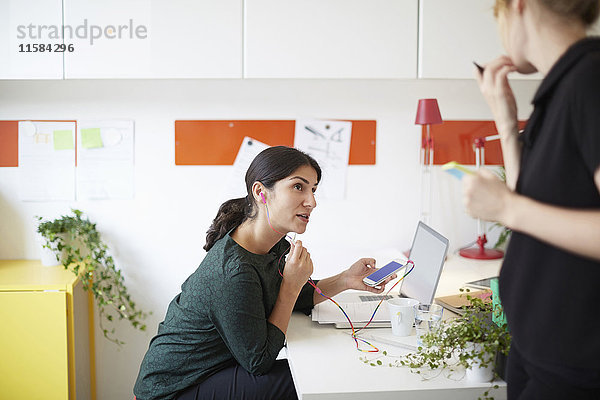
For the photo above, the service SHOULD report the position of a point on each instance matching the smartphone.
(382, 273)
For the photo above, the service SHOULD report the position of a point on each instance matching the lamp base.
(481, 253)
(485, 254)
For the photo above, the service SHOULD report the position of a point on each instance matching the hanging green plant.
(80, 249)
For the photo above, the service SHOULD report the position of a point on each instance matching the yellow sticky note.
(63, 140)
(91, 138)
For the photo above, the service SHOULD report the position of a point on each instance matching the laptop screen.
(428, 252)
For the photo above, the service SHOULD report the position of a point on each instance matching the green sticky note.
(63, 140)
(90, 138)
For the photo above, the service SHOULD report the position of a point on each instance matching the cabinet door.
(155, 39)
(455, 33)
(330, 39)
(24, 26)
(33, 345)
(82, 344)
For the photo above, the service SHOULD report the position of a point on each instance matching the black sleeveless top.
(551, 297)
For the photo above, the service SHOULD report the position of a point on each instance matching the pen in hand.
(479, 67)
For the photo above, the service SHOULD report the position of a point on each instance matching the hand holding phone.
(382, 274)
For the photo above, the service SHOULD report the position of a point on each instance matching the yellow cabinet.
(46, 333)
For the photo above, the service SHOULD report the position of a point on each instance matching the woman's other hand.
(353, 276)
(487, 197)
(493, 83)
(298, 267)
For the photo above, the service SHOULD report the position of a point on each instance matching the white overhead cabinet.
(455, 33)
(30, 43)
(154, 39)
(330, 38)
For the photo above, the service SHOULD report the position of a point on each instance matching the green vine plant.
(503, 236)
(452, 345)
(505, 232)
(79, 248)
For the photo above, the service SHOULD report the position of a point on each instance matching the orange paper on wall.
(217, 142)
(453, 141)
(9, 143)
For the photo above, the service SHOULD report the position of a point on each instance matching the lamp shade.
(428, 112)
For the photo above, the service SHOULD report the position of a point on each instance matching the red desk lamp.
(428, 113)
(480, 252)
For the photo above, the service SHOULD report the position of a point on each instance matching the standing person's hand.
(298, 267)
(353, 276)
(493, 83)
(487, 197)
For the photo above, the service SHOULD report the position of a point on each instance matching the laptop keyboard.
(375, 297)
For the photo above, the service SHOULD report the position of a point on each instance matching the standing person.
(551, 200)
(221, 335)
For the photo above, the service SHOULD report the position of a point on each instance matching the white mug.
(402, 315)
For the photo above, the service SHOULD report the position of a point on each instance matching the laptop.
(428, 252)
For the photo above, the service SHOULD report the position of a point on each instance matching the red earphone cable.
(313, 284)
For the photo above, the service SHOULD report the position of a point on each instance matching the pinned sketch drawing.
(236, 185)
(328, 142)
(105, 163)
(46, 161)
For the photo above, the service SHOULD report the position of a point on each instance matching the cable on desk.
(355, 331)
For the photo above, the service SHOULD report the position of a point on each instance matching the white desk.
(325, 363)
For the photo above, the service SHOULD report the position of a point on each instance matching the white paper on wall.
(328, 142)
(46, 161)
(236, 185)
(105, 162)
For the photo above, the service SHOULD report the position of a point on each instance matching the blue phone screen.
(388, 269)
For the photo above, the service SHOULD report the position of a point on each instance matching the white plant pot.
(475, 373)
(47, 256)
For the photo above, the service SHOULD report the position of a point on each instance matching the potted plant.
(473, 341)
(473, 338)
(79, 248)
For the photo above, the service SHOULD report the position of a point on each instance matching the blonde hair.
(585, 11)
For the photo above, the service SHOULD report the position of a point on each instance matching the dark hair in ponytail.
(230, 215)
(268, 167)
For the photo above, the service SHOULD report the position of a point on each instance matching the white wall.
(157, 238)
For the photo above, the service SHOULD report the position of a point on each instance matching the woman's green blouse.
(219, 318)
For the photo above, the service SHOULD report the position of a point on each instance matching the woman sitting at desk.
(222, 333)
(551, 273)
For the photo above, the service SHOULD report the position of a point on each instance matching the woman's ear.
(259, 193)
